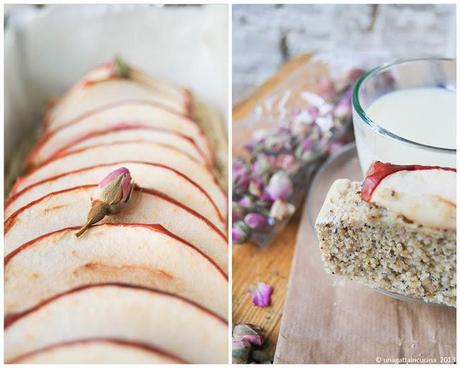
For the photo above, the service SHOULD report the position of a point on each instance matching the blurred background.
(266, 36)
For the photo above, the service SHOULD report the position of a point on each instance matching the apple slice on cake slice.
(173, 324)
(131, 151)
(98, 351)
(70, 207)
(129, 113)
(423, 194)
(136, 254)
(145, 175)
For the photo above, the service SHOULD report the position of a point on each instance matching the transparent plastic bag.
(309, 115)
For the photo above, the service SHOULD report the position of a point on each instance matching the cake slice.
(396, 231)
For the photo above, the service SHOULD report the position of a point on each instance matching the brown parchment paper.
(328, 319)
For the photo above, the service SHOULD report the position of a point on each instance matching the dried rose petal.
(279, 186)
(261, 294)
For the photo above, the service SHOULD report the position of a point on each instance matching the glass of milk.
(405, 113)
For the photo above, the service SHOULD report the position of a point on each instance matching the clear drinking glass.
(377, 143)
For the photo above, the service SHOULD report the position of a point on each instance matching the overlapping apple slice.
(69, 208)
(171, 323)
(91, 95)
(98, 351)
(139, 134)
(137, 254)
(423, 194)
(112, 117)
(146, 175)
(130, 151)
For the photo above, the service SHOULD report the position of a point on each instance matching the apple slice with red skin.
(169, 322)
(113, 91)
(69, 208)
(128, 113)
(106, 72)
(98, 351)
(137, 254)
(123, 134)
(146, 175)
(132, 151)
(423, 194)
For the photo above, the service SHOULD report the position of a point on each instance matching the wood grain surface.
(273, 263)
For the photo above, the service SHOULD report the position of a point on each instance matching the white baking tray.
(47, 49)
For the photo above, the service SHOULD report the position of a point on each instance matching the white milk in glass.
(421, 115)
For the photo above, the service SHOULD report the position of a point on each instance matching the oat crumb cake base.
(382, 249)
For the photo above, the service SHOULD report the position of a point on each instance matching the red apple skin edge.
(116, 341)
(10, 220)
(11, 319)
(14, 193)
(31, 160)
(380, 170)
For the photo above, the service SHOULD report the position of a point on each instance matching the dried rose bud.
(277, 142)
(120, 69)
(342, 112)
(287, 162)
(281, 210)
(241, 350)
(112, 193)
(354, 74)
(261, 164)
(261, 294)
(255, 221)
(240, 232)
(304, 150)
(249, 332)
(256, 187)
(326, 88)
(279, 186)
(239, 169)
(237, 212)
(246, 202)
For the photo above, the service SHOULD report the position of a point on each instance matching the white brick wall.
(264, 36)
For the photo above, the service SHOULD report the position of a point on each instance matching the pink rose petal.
(261, 294)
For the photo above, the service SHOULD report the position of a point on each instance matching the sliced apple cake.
(395, 231)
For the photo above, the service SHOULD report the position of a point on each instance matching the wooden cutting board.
(272, 264)
(331, 320)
